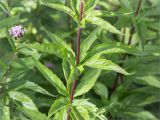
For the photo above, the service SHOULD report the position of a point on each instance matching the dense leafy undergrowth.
(79, 59)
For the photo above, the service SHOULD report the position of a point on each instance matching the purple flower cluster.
(17, 31)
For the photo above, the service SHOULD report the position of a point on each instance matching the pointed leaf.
(57, 40)
(66, 69)
(73, 5)
(113, 48)
(141, 31)
(76, 114)
(6, 113)
(62, 8)
(52, 78)
(101, 90)
(86, 44)
(33, 86)
(52, 48)
(33, 115)
(140, 114)
(58, 105)
(105, 65)
(24, 99)
(103, 24)
(87, 82)
(148, 80)
(8, 22)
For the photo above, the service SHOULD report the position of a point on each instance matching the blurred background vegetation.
(133, 97)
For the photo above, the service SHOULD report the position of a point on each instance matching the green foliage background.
(118, 74)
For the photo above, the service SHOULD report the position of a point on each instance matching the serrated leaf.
(86, 44)
(24, 99)
(58, 105)
(103, 24)
(33, 115)
(52, 78)
(105, 65)
(87, 82)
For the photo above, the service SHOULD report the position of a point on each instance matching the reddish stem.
(119, 76)
(77, 58)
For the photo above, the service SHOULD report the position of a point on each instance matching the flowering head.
(17, 31)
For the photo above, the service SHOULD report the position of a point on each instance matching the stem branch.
(119, 76)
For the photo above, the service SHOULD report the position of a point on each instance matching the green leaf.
(10, 40)
(140, 115)
(62, 8)
(52, 78)
(103, 24)
(87, 82)
(8, 22)
(89, 5)
(4, 6)
(74, 73)
(33, 86)
(3, 33)
(141, 31)
(73, 5)
(52, 48)
(6, 113)
(24, 99)
(148, 80)
(112, 48)
(101, 90)
(66, 69)
(142, 97)
(84, 112)
(93, 111)
(126, 4)
(62, 114)
(58, 105)
(76, 114)
(105, 65)
(57, 40)
(86, 44)
(33, 115)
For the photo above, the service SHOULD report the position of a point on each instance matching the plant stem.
(119, 76)
(77, 58)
